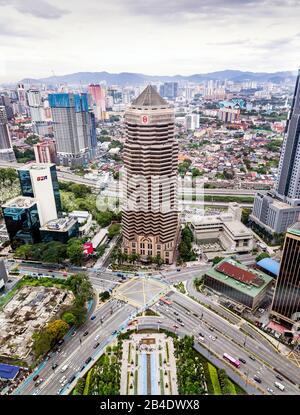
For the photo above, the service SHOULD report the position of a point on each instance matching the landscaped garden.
(104, 377)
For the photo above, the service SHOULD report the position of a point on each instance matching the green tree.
(114, 230)
(217, 259)
(75, 251)
(69, 318)
(196, 172)
(24, 251)
(104, 296)
(261, 256)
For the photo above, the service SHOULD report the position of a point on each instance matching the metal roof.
(8, 371)
(149, 97)
(269, 265)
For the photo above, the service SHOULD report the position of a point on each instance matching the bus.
(231, 360)
(165, 301)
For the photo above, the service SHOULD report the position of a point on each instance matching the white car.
(62, 379)
(97, 337)
(270, 391)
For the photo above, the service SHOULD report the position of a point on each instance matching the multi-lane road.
(220, 336)
(221, 330)
(76, 349)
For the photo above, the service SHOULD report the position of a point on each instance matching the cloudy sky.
(163, 37)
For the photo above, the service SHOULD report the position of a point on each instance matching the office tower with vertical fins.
(278, 209)
(150, 215)
(286, 300)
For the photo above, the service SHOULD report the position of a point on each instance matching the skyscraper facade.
(169, 90)
(286, 301)
(74, 128)
(39, 181)
(278, 209)
(97, 94)
(6, 150)
(45, 152)
(150, 216)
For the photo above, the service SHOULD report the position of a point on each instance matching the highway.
(230, 338)
(76, 349)
(71, 177)
(232, 335)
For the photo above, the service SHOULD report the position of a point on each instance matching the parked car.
(60, 342)
(279, 377)
(35, 377)
(54, 366)
(96, 345)
(270, 391)
(85, 333)
(88, 360)
(93, 317)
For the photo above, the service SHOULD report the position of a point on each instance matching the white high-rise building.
(192, 121)
(6, 151)
(39, 181)
(36, 106)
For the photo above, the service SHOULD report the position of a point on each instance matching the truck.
(279, 386)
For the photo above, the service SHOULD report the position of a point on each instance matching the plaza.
(148, 365)
(141, 291)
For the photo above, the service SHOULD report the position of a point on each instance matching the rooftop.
(20, 202)
(221, 273)
(59, 225)
(149, 97)
(37, 166)
(295, 229)
(269, 265)
(239, 274)
(8, 371)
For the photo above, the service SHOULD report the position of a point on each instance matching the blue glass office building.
(22, 220)
(74, 128)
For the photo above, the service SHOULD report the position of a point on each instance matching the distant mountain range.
(129, 78)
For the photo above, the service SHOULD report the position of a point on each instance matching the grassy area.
(214, 379)
(232, 388)
(129, 352)
(136, 382)
(180, 287)
(162, 386)
(87, 382)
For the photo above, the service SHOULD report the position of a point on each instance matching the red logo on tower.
(41, 178)
(145, 119)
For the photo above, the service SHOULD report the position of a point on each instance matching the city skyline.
(205, 37)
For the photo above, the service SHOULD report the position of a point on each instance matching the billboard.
(88, 248)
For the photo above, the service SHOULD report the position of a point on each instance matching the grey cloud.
(37, 8)
(182, 8)
(229, 42)
(276, 44)
(8, 30)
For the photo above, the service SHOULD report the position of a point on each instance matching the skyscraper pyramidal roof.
(149, 97)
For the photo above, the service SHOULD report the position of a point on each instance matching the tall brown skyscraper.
(286, 301)
(150, 216)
